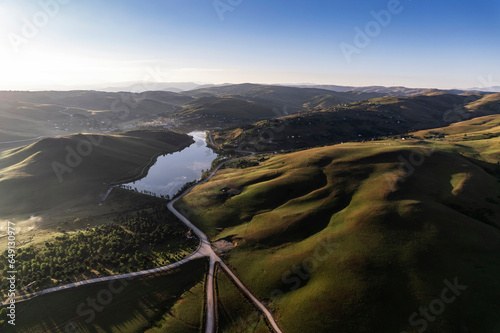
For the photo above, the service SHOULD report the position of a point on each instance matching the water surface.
(172, 171)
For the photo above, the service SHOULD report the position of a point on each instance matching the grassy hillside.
(235, 313)
(326, 101)
(280, 96)
(23, 122)
(135, 306)
(357, 237)
(386, 91)
(358, 121)
(229, 108)
(131, 243)
(26, 115)
(89, 99)
(489, 103)
(56, 171)
(187, 315)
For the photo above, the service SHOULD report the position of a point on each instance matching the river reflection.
(172, 171)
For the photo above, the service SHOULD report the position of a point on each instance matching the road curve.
(211, 139)
(204, 250)
(254, 300)
(195, 255)
(205, 247)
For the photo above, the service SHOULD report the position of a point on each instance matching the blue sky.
(443, 44)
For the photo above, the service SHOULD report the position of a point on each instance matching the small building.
(189, 234)
(231, 191)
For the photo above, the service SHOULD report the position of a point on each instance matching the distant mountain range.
(279, 97)
(488, 89)
(208, 107)
(143, 86)
(399, 90)
(186, 86)
(139, 87)
(76, 111)
(358, 121)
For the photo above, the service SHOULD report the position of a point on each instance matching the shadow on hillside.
(139, 304)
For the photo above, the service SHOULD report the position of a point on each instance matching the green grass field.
(66, 171)
(40, 228)
(356, 237)
(234, 312)
(139, 305)
(358, 121)
(148, 239)
(186, 316)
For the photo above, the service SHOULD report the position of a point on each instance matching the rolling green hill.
(25, 115)
(387, 91)
(165, 302)
(220, 111)
(487, 104)
(278, 97)
(358, 237)
(357, 121)
(326, 101)
(29, 115)
(56, 171)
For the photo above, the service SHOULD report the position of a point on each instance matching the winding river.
(172, 171)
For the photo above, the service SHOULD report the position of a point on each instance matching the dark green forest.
(145, 240)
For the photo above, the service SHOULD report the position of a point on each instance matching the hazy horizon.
(142, 86)
(52, 44)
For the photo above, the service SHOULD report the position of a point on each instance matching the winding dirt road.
(204, 250)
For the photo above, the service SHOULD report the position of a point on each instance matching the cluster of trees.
(219, 159)
(242, 163)
(185, 187)
(150, 193)
(3, 316)
(131, 243)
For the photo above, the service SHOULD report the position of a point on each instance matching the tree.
(3, 314)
